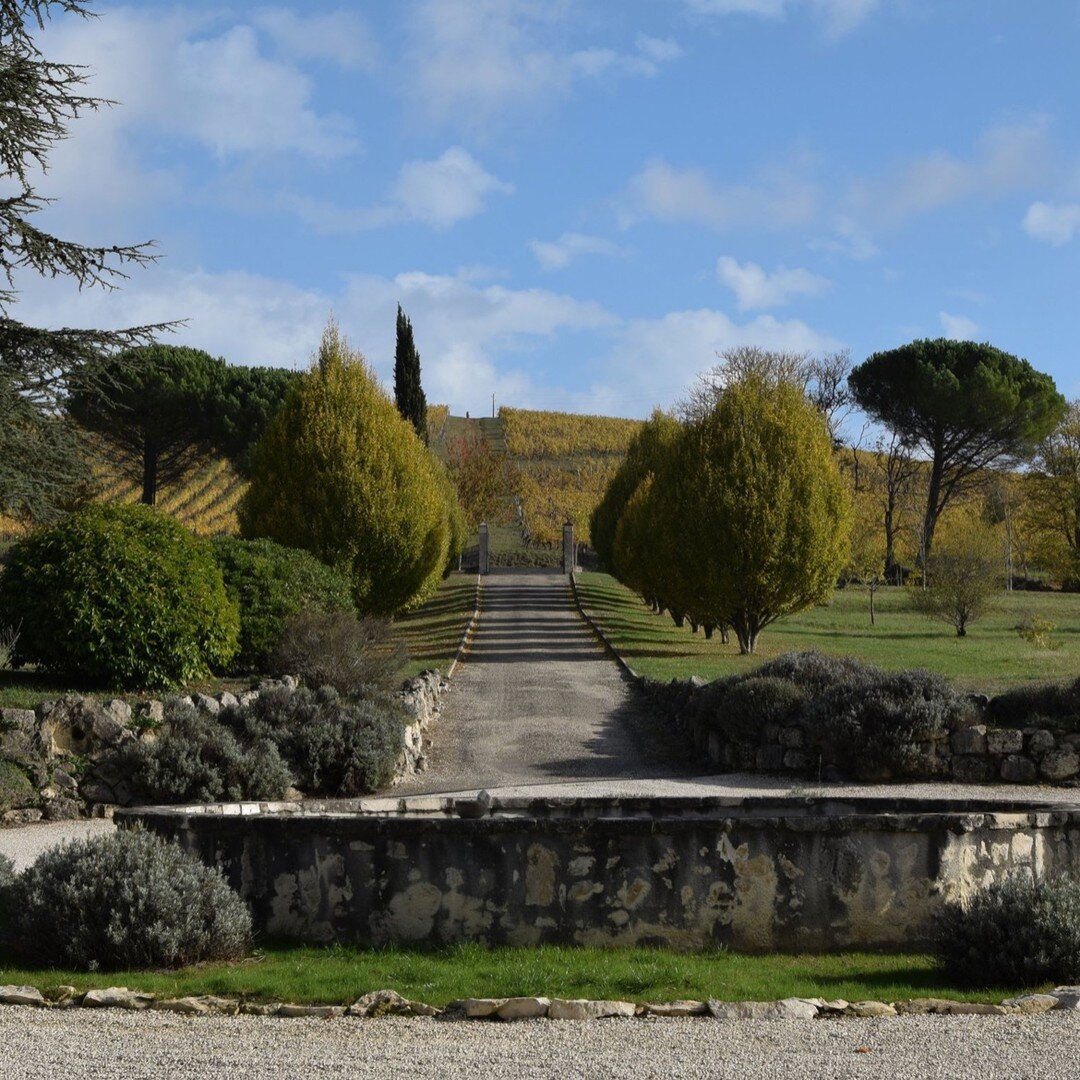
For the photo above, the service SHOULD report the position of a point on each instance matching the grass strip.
(990, 659)
(339, 974)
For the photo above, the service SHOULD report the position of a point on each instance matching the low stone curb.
(601, 634)
(466, 638)
(383, 1003)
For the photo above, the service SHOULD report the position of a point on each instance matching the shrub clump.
(335, 746)
(754, 703)
(196, 758)
(121, 596)
(340, 650)
(1038, 705)
(884, 724)
(1017, 932)
(128, 900)
(269, 583)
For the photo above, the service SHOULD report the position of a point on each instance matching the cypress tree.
(408, 393)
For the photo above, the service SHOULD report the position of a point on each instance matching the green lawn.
(25, 689)
(432, 633)
(339, 975)
(992, 657)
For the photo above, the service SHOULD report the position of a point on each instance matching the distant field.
(205, 500)
(565, 463)
(991, 658)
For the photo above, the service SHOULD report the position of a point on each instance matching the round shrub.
(815, 672)
(755, 702)
(120, 596)
(335, 746)
(339, 650)
(127, 900)
(879, 726)
(198, 759)
(269, 583)
(1017, 932)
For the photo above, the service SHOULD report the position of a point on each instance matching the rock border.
(601, 634)
(382, 1003)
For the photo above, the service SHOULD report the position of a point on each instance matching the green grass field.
(992, 657)
(339, 974)
(432, 632)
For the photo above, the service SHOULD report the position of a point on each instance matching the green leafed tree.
(339, 473)
(158, 408)
(966, 406)
(408, 392)
(39, 459)
(763, 512)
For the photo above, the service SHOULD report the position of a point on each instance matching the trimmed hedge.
(270, 583)
(1038, 705)
(127, 900)
(119, 596)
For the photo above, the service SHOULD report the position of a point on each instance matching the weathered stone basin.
(752, 874)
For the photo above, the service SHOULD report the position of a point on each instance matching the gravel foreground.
(105, 1045)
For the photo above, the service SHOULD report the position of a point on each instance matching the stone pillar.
(568, 550)
(484, 549)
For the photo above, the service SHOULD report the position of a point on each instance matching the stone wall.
(976, 754)
(55, 759)
(685, 873)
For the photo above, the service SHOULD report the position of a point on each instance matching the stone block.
(769, 758)
(583, 1009)
(970, 740)
(1039, 741)
(973, 769)
(1005, 740)
(62, 809)
(523, 1008)
(788, 1009)
(870, 1009)
(206, 704)
(389, 1003)
(480, 1008)
(1031, 1004)
(675, 1008)
(22, 995)
(1060, 764)
(117, 997)
(228, 700)
(798, 761)
(318, 1012)
(1017, 769)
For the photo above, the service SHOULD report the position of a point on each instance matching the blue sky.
(579, 202)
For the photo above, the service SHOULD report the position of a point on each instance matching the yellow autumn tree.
(763, 512)
(340, 474)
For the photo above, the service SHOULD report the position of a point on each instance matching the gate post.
(484, 549)
(568, 550)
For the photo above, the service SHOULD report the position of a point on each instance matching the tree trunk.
(872, 622)
(149, 476)
(933, 495)
(709, 628)
(678, 619)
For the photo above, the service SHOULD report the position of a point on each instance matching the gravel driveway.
(537, 699)
(125, 1046)
(24, 844)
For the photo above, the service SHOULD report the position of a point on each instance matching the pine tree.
(408, 393)
(39, 458)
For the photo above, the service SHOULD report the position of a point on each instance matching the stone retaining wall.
(977, 754)
(751, 874)
(55, 759)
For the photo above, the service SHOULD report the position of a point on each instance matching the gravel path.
(24, 844)
(537, 699)
(124, 1046)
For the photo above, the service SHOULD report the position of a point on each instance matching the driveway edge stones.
(466, 637)
(601, 634)
(382, 1003)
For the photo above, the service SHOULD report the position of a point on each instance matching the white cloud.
(655, 361)
(1006, 158)
(472, 60)
(665, 193)
(755, 288)
(440, 193)
(840, 16)
(958, 327)
(447, 190)
(559, 254)
(1052, 223)
(342, 37)
(849, 239)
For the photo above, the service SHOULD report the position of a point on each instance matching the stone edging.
(601, 634)
(382, 1003)
(466, 637)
